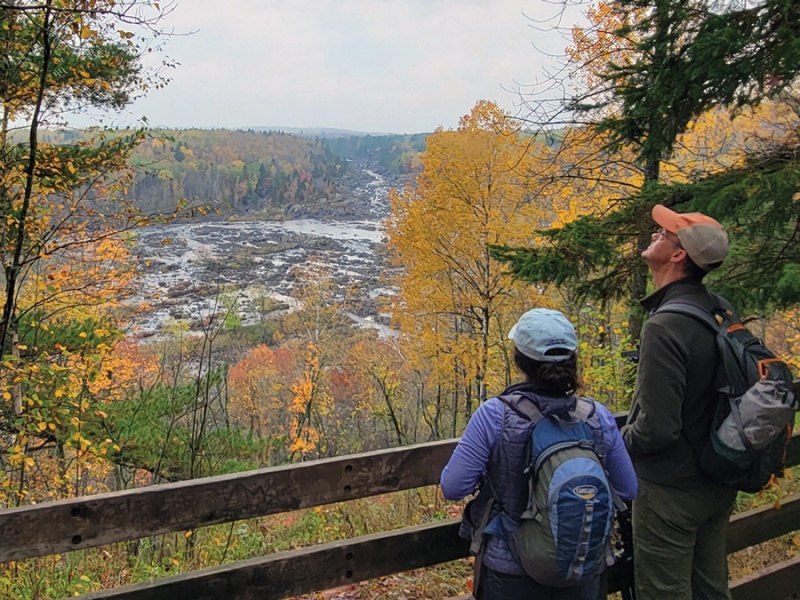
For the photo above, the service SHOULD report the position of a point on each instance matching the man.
(680, 516)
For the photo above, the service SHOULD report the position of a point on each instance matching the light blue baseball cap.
(545, 335)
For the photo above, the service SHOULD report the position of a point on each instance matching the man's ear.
(679, 255)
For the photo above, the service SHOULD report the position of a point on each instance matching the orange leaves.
(600, 40)
(70, 364)
(716, 141)
(258, 386)
(280, 392)
(294, 392)
(311, 402)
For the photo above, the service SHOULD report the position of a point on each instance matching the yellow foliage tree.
(456, 302)
(310, 406)
(383, 392)
(62, 244)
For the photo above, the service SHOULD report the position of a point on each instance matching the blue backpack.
(563, 538)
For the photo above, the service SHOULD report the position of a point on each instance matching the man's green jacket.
(675, 396)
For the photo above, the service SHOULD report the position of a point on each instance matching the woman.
(492, 451)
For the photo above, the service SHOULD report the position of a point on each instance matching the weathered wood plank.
(775, 582)
(105, 518)
(763, 523)
(296, 572)
(92, 521)
(306, 570)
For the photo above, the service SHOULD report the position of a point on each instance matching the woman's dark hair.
(559, 378)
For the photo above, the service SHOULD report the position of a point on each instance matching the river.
(190, 270)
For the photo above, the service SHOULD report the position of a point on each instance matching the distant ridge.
(318, 132)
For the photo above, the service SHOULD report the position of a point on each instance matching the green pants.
(679, 542)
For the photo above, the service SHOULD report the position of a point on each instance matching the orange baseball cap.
(702, 237)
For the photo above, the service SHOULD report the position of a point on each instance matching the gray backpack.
(756, 408)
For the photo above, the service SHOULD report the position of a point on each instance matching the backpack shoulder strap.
(523, 407)
(722, 303)
(584, 408)
(692, 309)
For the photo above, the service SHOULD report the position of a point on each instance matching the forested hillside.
(270, 173)
(233, 171)
(394, 153)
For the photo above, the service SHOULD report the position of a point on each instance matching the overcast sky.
(395, 66)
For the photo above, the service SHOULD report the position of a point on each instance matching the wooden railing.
(93, 521)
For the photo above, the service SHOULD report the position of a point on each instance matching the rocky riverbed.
(191, 271)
